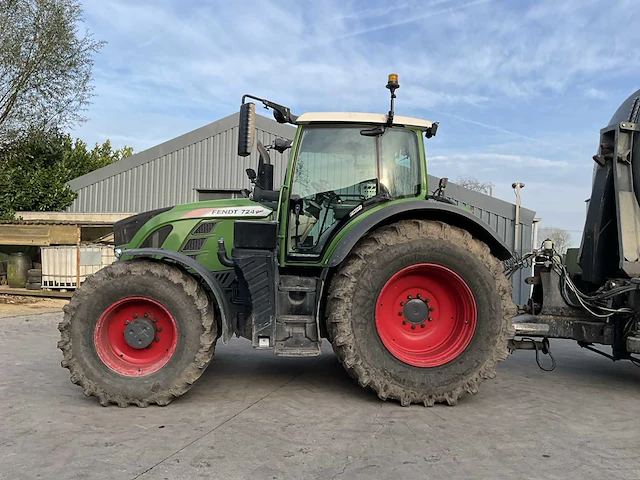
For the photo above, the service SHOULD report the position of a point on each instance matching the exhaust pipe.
(222, 255)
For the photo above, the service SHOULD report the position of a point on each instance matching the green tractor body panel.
(216, 218)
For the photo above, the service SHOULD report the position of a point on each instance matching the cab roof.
(357, 117)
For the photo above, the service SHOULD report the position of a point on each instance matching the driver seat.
(307, 221)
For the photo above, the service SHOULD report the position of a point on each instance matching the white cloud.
(518, 92)
(598, 94)
(329, 52)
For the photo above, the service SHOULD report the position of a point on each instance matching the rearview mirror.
(246, 128)
(280, 144)
(373, 132)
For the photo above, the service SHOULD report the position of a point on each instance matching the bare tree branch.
(45, 65)
(476, 185)
(561, 238)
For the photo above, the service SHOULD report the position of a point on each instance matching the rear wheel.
(420, 312)
(138, 332)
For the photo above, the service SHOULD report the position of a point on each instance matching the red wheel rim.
(112, 346)
(425, 315)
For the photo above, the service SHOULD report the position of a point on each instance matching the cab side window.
(400, 169)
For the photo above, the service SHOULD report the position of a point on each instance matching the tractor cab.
(342, 164)
(339, 172)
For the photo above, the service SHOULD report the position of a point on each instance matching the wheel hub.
(416, 311)
(135, 336)
(425, 315)
(140, 333)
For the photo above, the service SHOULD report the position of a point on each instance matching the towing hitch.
(539, 346)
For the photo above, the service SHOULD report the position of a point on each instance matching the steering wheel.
(324, 193)
(318, 200)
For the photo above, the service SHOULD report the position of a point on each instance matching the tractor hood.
(133, 230)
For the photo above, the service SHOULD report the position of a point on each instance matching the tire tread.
(139, 267)
(340, 297)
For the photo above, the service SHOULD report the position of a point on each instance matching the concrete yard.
(256, 416)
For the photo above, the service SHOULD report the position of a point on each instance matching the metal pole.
(517, 186)
(536, 225)
(534, 245)
(78, 236)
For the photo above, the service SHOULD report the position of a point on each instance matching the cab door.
(337, 173)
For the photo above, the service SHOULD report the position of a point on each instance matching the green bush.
(35, 170)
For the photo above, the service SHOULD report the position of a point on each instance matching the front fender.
(423, 209)
(212, 284)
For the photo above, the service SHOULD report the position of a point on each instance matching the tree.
(45, 65)
(561, 238)
(476, 185)
(35, 170)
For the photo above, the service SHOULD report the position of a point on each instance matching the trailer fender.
(427, 210)
(213, 286)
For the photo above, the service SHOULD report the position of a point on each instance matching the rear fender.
(420, 209)
(214, 290)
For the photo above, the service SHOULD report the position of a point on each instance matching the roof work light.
(392, 82)
(393, 85)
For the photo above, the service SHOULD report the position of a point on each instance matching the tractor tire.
(31, 279)
(33, 285)
(138, 332)
(420, 312)
(34, 272)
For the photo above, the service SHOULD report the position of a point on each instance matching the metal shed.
(184, 169)
(204, 164)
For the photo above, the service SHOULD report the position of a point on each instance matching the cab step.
(296, 332)
(296, 336)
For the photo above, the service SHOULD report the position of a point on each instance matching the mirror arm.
(285, 112)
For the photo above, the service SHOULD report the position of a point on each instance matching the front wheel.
(420, 312)
(138, 332)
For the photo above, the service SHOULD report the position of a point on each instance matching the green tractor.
(408, 287)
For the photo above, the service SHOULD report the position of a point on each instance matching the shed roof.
(165, 148)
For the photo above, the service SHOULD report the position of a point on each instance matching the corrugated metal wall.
(173, 177)
(206, 158)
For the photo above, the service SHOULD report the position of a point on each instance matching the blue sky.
(521, 89)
